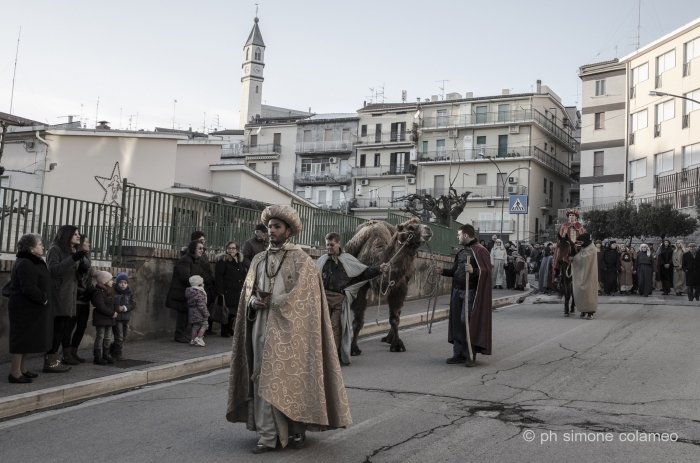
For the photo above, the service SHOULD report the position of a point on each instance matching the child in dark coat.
(103, 316)
(198, 313)
(126, 303)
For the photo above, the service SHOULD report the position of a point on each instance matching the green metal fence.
(319, 222)
(444, 238)
(28, 212)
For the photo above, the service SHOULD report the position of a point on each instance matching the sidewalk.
(162, 359)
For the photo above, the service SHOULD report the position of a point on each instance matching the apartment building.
(574, 116)
(498, 146)
(385, 161)
(325, 153)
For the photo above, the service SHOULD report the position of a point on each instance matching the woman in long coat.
(626, 267)
(520, 271)
(498, 261)
(29, 310)
(188, 265)
(62, 260)
(610, 267)
(545, 274)
(229, 273)
(665, 267)
(644, 268)
(510, 273)
(678, 273)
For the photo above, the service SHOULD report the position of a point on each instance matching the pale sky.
(139, 56)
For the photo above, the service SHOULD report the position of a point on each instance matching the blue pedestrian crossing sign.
(518, 204)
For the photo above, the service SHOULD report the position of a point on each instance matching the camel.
(374, 243)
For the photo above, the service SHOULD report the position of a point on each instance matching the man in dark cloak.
(610, 266)
(691, 267)
(469, 328)
(665, 264)
(644, 268)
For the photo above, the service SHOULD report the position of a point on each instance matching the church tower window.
(256, 89)
(257, 54)
(247, 54)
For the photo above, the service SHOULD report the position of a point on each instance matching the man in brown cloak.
(471, 286)
(285, 376)
(585, 276)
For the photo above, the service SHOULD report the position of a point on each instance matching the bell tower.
(252, 79)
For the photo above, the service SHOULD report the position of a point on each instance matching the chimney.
(364, 104)
(418, 99)
(469, 95)
(539, 86)
(103, 125)
(427, 100)
(433, 98)
(505, 91)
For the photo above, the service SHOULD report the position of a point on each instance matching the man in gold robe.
(285, 376)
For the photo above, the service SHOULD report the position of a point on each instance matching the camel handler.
(584, 267)
(471, 286)
(343, 276)
(285, 376)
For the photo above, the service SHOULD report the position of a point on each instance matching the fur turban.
(571, 210)
(284, 213)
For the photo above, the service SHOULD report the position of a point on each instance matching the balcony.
(380, 171)
(479, 193)
(501, 118)
(575, 159)
(383, 138)
(235, 152)
(378, 203)
(320, 147)
(274, 177)
(262, 150)
(308, 178)
(474, 154)
(494, 226)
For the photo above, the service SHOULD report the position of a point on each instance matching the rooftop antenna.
(639, 20)
(442, 89)
(174, 103)
(616, 51)
(120, 118)
(97, 110)
(81, 115)
(371, 95)
(136, 127)
(204, 125)
(130, 117)
(381, 93)
(12, 96)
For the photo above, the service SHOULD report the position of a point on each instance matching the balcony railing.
(235, 152)
(466, 120)
(478, 192)
(575, 157)
(657, 83)
(385, 137)
(555, 130)
(253, 150)
(333, 146)
(378, 203)
(274, 177)
(408, 169)
(494, 226)
(307, 178)
(686, 121)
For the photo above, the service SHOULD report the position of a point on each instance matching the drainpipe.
(46, 155)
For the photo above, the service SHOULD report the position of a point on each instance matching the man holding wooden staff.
(469, 332)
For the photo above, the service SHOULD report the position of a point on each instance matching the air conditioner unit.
(411, 180)
(490, 203)
(513, 180)
(364, 182)
(334, 160)
(414, 155)
(547, 202)
(512, 190)
(453, 133)
(513, 129)
(343, 188)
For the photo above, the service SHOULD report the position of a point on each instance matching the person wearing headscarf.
(510, 272)
(678, 273)
(691, 267)
(585, 276)
(545, 275)
(285, 374)
(498, 263)
(610, 267)
(520, 271)
(626, 268)
(644, 268)
(665, 264)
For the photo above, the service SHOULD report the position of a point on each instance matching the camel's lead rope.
(432, 280)
(391, 282)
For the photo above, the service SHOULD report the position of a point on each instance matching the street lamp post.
(503, 191)
(655, 93)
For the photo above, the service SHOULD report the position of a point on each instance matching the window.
(638, 168)
(253, 140)
(663, 162)
(277, 139)
(440, 147)
(335, 198)
(502, 146)
(377, 133)
(551, 191)
(692, 50)
(600, 87)
(399, 163)
(665, 62)
(442, 117)
(689, 106)
(252, 166)
(363, 160)
(545, 186)
(398, 131)
(363, 131)
(275, 169)
(346, 135)
(397, 192)
(638, 121)
(321, 197)
(328, 135)
(481, 179)
(425, 146)
(598, 163)
(665, 111)
(545, 147)
(315, 166)
(258, 54)
(5, 182)
(598, 194)
(256, 89)
(640, 74)
(691, 155)
(438, 185)
(377, 160)
(481, 114)
(247, 54)
(301, 193)
(501, 180)
(599, 121)
(503, 112)
(307, 136)
(481, 141)
(343, 167)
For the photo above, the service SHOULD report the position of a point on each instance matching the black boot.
(97, 353)
(74, 353)
(52, 364)
(67, 358)
(107, 357)
(471, 362)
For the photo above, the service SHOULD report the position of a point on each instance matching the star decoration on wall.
(111, 185)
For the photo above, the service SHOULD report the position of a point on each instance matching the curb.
(62, 395)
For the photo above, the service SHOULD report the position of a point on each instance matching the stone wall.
(150, 271)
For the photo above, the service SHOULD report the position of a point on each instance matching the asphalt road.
(632, 370)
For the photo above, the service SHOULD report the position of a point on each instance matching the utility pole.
(639, 21)
(12, 96)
